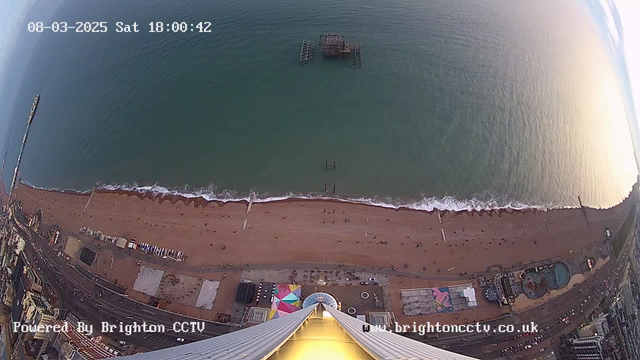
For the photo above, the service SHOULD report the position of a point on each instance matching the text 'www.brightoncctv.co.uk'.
(429, 328)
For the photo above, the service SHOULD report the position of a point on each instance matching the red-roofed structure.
(72, 344)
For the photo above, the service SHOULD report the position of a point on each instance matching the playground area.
(104, 261)
(186, 290)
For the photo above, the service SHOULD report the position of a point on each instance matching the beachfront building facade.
(588, 348)
(316, 331)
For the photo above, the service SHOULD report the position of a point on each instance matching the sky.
(621, 27)
(629, 12)
(629, 15)
(12, 15)
(13, 23)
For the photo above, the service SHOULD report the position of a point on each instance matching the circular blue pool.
(562, 274)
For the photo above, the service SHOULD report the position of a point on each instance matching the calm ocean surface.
(458, 103)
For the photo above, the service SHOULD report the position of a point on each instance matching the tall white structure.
(316, 331)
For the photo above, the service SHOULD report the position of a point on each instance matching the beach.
(323, 231)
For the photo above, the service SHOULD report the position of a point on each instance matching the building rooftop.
(82, 344)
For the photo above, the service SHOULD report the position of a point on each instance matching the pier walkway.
(34, 106)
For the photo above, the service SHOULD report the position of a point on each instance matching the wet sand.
(299, 231)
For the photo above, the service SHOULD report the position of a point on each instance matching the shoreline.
(405, 245)
(315, 231)
(199, 200)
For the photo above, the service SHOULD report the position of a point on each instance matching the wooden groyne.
(34, 106)
(306, 52)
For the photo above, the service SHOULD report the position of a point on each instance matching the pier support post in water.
(334, 164)
(325, 188)
(326, 164)
(334, 189)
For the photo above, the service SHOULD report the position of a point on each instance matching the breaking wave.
(426, 204)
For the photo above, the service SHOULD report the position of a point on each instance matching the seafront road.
(96, 303)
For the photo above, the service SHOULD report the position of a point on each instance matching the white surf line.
(246, 217)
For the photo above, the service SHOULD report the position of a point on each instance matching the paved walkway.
(138, 255)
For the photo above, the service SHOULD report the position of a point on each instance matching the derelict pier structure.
(336, 46)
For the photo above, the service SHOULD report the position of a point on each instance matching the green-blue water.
(488, 102)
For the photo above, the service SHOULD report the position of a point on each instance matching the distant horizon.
(620, 18)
